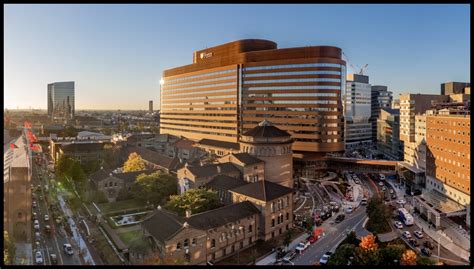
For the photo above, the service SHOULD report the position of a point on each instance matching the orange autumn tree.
(368, 243)
(408, 258)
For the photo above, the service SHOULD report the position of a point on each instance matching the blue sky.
(117, 53)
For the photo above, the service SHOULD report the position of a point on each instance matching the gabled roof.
(246, 158)
(224, 182)
(263, 190)
(266, 129)
(219, 144)
(184, 144)
(86, 146)
(223, 215)
(163, 224)
(132, 176)
(211, 169)
(100, 175)
(155, 157)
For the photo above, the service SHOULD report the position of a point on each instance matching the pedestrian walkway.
(23, 254)
(271, 258)
(438, 236)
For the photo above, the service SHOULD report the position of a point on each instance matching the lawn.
(127, 237)
(118, 207)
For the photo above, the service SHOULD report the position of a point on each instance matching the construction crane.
(358, 70)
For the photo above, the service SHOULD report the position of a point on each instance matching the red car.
(312, 239)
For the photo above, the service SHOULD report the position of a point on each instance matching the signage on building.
(204, 55)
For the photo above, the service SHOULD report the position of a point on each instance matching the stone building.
(111, 183)
(205, 237)
(251, 168)
(273, 146)
(192, 176)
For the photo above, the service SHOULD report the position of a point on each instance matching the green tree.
(379, 215)
(195, 200)
(391, 253)
(134, 163)
(424, 261)
(91, 166)
(288, 236)
(63, 165)
(342, 254)
(109, 156)
(8, 249)
(352, 239)
(77, 175)
(154, 188)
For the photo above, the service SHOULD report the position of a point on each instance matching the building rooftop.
(212, 169)
(184, 144)
(155, 157)
(263, 190)
(219, 144)
(224, 182)
(439, 202)
(246, 158)
(128, 177)
(392, 111)
(266, 129)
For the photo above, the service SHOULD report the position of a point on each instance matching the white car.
(401, 202)
(381, 184)
(302, 246)
(418, 234)
(398, 225)
(407, 234)
(391, 191)
(349, 210)
(46, 217)
(36, 225)
(35, 216)
(325, 258)
(384, 188)
(39, 257)
(68, 249)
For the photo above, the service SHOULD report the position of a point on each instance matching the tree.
(342, 255)
(77, 175)
(8, 249)
(408, 258)
(391, 253)
(91, 166)
(195, 200)
(368, 243)
(154, 188)
(63, 164)
(134, 163)
(352, 239)
(424, 261)
(288, 236)
(109, 156)
(379, 215)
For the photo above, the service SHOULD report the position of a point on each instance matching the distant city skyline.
(116, 53)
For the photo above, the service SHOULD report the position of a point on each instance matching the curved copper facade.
(232, 87)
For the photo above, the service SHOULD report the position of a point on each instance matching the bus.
(406, 217)
(364, 201)
(382, 177)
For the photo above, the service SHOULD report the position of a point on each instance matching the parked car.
(47, 228)
(46, 217)
(325, 258)
(381, 184)
(36, 225)
(349, 210)
(53, 258)
(418, 234)
(39, 257)
(407, 234)
(398, 225)
(401, 202)
(312, 239)
(340, 218)
(426, 251)
(68, 249)
(35, 216)
(290, 256)
(428, 244)
(391, 191)
(384, 188)
(414, 242)
(37, 236)
(302, 246)
(394, 196)
(33, 204)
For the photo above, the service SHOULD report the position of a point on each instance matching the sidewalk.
(270, 259)
(438, 236)
(23, 254)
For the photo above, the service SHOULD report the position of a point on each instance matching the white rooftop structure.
(16, 157)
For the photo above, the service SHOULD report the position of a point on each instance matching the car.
(426, 251)
(349, 210)
(36, 225)
(387, 198)
(53, 258)
(68, 249)
(413, 242)
(39, 257)
(357, 181)
(35, 216)
(398, 225)
(428, 244)
(33, 204)
(312, 239)
(280, 254)
(46, 217)
(37, 236)
(391, 191)
(407, 234)
(325, 258)
(302, 246)
(418, 234)
(401, 202)
(381, 184)
(384, 188)
(340, 218)
(47, 228)
(394, 196)
(290, 256)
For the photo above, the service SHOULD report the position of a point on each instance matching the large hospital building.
(230, 88)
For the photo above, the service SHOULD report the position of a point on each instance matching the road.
(333, 235)
(50, 243)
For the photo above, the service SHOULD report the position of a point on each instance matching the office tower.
(388, 133)
(395, 104)
(380, 98)
(61, 100)
(357, 111)
(150, 105)
(448, 154)
(230, 88)
(455, 87)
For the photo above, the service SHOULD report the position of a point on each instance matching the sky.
(116, 53)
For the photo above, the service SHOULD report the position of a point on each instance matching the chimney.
(188, 213)
(219, 169)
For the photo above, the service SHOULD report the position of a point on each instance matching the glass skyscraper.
(61, 100)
